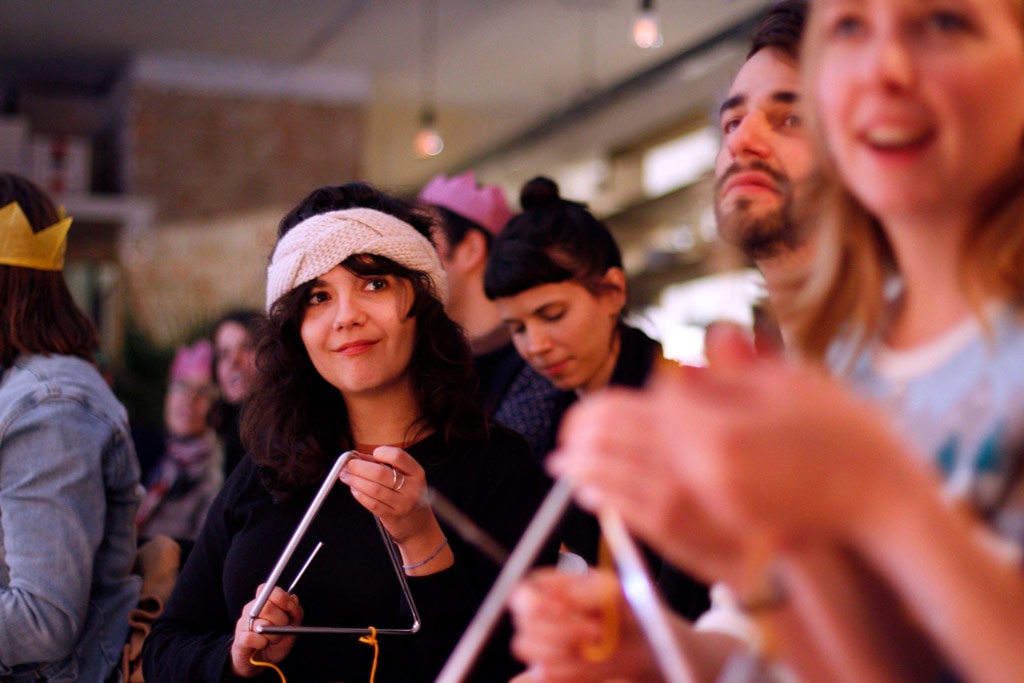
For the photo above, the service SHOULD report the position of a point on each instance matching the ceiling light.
(428, 142)
(646, 29)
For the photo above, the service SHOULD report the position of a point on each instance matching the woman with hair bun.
(555, 274)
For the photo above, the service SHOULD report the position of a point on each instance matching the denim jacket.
(69, 489)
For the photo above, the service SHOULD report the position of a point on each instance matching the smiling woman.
(358, 331)
(356, 352)
(234, 369)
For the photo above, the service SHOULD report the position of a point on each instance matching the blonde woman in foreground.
(888, 522)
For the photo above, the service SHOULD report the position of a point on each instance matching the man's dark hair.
(456, 227)
(782, 28)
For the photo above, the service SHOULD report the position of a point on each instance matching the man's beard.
(759, 235)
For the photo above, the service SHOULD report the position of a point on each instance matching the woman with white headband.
(356, 352)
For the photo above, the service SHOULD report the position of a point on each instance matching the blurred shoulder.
(38, 379)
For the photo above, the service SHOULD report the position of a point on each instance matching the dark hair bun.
(539, 192)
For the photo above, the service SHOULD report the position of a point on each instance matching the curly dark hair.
(37, 311)
(552, 240)
(294, 423)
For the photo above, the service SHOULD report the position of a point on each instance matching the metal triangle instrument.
(286, 554)
(637, 585)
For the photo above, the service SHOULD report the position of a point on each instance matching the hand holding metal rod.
(522, 558)
(638, 587)
(644, 601)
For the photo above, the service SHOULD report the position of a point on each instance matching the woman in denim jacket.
(69, 479)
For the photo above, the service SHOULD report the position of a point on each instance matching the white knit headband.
(318, 244)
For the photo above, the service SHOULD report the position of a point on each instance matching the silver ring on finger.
(401, 483)
(394, 478)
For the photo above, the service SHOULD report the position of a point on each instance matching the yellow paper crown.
(19, 246)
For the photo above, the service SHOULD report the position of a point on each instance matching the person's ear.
(613, 286)
(471, 254)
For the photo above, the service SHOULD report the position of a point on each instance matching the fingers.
(279, 602)
(281, 609)
(396, 458)
(556, 615)
(729, 345)
(559, 618)
(244, 644)
(393, 486)
(388, 482)
(652, 471)
(608, 464)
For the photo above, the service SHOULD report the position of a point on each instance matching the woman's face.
(357, 332)
(187, 404)
(921, 101)
(235, 361)
(566, 332)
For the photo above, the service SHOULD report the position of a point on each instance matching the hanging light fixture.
(428, 142)
(646, 29)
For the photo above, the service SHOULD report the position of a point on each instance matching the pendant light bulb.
(428, 142)
(646, 28)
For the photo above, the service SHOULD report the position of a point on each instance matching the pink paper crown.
(461, 194)
(193, 362)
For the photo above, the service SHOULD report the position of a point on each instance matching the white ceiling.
(500, 67)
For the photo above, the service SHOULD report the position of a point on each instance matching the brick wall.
(199, 155)
(185, 274)
(222, 171)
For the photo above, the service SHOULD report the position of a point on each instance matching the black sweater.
(350, 583)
